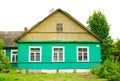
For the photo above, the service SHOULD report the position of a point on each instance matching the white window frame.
(15, 55)
(82, 53)
(35, 57)
(58, 57)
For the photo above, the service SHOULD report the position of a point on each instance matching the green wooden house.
(61, 42)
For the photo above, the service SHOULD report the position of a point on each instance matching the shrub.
(4, 61)
(1, 67)
(113, 77)
(109, 69)
(95, 71)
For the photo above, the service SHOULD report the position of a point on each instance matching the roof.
(9, 37)
(68, 15)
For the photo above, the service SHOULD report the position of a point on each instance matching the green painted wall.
(8, 54)
(70, 55)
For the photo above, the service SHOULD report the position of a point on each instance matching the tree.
(98, 25)
(116, 50)
(117, 44)
(4, 61)
(1, 44)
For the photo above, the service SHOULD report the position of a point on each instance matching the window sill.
(57, 61)
(83, 61)
(34, 61)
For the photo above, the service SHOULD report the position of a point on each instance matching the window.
(82, 54)
(35, 54)
(59, 27)
(14, 54)
(58, 54)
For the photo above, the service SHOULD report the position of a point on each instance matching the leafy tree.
(118, 45)
(116, 50)
(4, 62)
(98, 24)
(1, 44)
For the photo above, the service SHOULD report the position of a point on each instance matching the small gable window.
(59, 27)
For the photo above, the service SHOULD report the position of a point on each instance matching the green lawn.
(49, 77)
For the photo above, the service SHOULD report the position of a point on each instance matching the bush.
(1, 67)
(95, 71)
(109, 69)
(4, 61)
(114, 77)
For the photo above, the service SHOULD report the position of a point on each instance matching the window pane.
(14, 52)
(37, 50)
(32, 49)
(80, 56)
(85, 56)
(60, 56)
(84, 49)
(32, 57)
(55, 57)
(37, 56)
(79, 49)
(13, 58)
(55, 50)
(60, 50)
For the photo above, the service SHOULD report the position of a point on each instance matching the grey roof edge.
(9, 36)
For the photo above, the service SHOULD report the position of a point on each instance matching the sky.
(17, 14)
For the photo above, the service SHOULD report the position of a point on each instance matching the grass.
(12, 76)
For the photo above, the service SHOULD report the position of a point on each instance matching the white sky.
(17, 14)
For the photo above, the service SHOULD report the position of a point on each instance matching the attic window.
(59, 27)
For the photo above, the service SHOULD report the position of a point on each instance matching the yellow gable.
(49, 25)
(72, 30)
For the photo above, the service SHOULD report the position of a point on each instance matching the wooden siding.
(60, 36)
(70, 51)
(48, 27)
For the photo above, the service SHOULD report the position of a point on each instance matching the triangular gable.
(69, 16)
